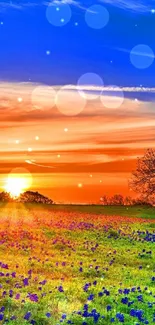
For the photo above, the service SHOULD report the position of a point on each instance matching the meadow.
(79, 265)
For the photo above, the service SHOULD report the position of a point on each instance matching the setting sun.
(16, 185)
(17, 182)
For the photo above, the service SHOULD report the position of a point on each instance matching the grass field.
(77, 265)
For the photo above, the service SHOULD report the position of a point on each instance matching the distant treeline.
(119, 199)
(26, 197)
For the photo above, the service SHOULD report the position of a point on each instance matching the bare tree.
(143, 178)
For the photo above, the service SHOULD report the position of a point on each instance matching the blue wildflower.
(108, 308)
(120, 317)
(91, 297)
(1, 316)
(27, 315)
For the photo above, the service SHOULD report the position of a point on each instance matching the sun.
(17, 183)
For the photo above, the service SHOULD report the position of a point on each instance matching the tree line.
(121, 200)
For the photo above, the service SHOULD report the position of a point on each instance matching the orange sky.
(96, 148)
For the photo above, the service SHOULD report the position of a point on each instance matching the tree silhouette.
(26, 197)
(143, 178)
(5, 197)
(34, 197)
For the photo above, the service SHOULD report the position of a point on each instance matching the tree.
(5, 197)
(117, 199)
(143, 178)
(34, 197)
(128, 200)
(105, 200)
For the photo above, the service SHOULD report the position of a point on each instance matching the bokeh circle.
(43, 97)
(142, 56)
(97, 16)
(58, 14)
(113, 97)
(90, 85)
(69, 102)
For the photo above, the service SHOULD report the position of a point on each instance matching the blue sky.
(33, 49)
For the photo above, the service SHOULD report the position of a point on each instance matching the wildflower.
(27, 315)
(96, 317)
(11, 293)
(60, 288)
(126, 291)
(33, 322)
(120, 317)
(33, 297)
(140, 298)
(85, 307)
(43, 282)
(25, 282)
(91, 297)
(64, 316)
(124, 300)
(109, 308)
(1, 316)
(48, 315)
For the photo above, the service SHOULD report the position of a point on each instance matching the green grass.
(131, 211)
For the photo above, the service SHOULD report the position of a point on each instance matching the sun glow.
(17, 183)
(15, 186)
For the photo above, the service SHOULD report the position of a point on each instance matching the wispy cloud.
(140, 6)
(135, 52)
(137, 6)
(21, 4)
(17, 5)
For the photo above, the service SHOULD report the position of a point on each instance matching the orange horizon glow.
(62, 151)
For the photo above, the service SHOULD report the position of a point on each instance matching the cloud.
(21, 4)
(21, 102)
(112, 88)
(137, 6)
(149, 54)
(140, 6)
(70, 2)
(97, 138)
(18, 5)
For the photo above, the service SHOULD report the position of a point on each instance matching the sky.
(77, 94)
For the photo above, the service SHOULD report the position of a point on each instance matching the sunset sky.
(77, 94)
